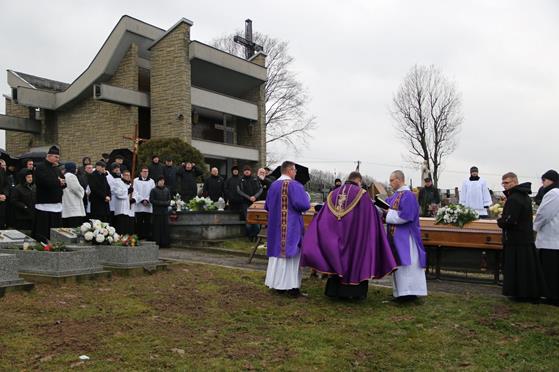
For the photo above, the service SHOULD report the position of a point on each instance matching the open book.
(381, 203)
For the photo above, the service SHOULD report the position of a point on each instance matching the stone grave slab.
(9, 277)
(13, 238)
(65, 235)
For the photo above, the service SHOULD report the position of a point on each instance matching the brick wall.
(92, 127)
(17, 142)
(170, 86)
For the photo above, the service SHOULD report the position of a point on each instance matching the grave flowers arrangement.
(45, 247)
(455, 214)
(201, 204)
(177, 203)
(128, 241)
(496, 209)
(97, 232)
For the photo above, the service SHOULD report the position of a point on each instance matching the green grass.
(198, 317)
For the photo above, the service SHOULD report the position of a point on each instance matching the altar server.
(124, 204)
(475, 194)
(143, 208)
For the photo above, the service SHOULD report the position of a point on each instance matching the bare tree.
(287, 119)
(427, 114)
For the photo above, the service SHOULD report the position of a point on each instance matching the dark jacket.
(170, 174)
(23, 201)
(84, 182)
(188, 179)
(516, 219)
(49, 190)
(214, 187)
(249, 186)
(160, 198)
(100, 189)
(427, 196)
(155, 171)
(265, 184)
(230, 190)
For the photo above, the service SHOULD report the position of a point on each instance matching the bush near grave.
(173, 148)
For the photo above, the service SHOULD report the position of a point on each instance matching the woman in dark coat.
(160, 198)
(23, 202)
(523, 277)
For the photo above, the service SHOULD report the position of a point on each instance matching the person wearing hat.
(73, 210)
(337, 183)
(155, 168)
(546, 224)
(143, 209)
(23, 202)
(232, 197)
(428, 197)
(250, 190)
(29, 165)
(50, 184)
(475, 193)
(100, 193)
(119, 159)
(170, 174)
(160, 198)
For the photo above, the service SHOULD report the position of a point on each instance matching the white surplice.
(407, 280)
(475, 194)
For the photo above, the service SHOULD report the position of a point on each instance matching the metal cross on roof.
(250, 46)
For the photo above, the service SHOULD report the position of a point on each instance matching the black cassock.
(523, 277)
(49, 192)
(160, 198)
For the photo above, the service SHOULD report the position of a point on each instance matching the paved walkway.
(259, 264)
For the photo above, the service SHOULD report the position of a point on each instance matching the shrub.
(174, 148)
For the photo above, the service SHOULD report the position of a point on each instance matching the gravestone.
(12, 238)
(64, 235)
(8, 270)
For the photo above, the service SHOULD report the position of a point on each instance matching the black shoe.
(280, 291)
(296, 293)
(404, 299)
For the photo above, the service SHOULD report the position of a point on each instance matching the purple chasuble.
(347, 238)
(407, 206)
(285, 203)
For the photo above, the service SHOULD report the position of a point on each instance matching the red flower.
(48, 247)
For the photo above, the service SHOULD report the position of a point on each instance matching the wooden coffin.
(480, 234)
(256, 214)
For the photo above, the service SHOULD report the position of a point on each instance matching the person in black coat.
(100, 193)
(265, 182)
(83, 178)
(523, 277)
(232, 197)
(428, 195)
(160, 198)
(250, 190)
(188, 181)
(170, 174)
(23, 202)
(48, 207)
(29, 165)
(155, 168)
(214, 185)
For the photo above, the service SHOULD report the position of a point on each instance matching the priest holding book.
(347, 241)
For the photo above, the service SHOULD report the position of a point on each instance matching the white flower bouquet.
(97, 232)
(177, 203)
(496, 209)
(201, 204)
(455, 214)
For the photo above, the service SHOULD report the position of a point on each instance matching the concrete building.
(161, 80)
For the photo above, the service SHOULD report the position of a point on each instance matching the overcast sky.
(352, 55)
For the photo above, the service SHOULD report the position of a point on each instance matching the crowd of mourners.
(46, 194)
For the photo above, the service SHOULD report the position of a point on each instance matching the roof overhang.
(128, 30)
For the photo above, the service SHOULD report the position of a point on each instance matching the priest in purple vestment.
(285, 203)
(404, 234)
(347, 240)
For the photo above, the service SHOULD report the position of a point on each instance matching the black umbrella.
(6, 157)
(36, 156)
(301, 176)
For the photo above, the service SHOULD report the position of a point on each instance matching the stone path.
(259, 264)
